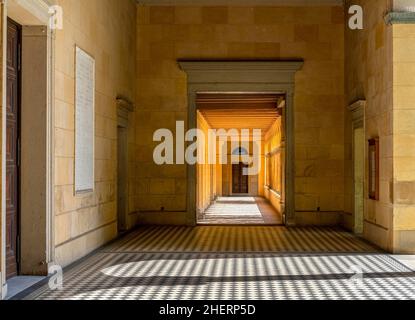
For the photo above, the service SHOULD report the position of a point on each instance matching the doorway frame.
(240, 165)
(18, 141)
(124, 110)
(271, 77)
(357, 111)
(35, 17)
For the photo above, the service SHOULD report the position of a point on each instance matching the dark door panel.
(244, 180)
(12, 141)
(235, 178)
(239, 180)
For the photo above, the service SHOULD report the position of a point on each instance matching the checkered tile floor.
(240, 239)
(118, 272)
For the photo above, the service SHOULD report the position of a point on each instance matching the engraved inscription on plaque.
(84, 121)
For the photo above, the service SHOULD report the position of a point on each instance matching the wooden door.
(243, 179)
(239, 180)
(12, 151)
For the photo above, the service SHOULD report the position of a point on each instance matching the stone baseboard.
(162, 218)
(346, 221)
(404, 242)
(317, 218)
(377, 235)
(3, 288)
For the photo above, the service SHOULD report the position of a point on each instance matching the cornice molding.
(124, 108)
(241, 71)
(38, 9)
(357, 109)
(125, 104)
(400, 18)
(291, 3)
(264, 66)
(359, 104)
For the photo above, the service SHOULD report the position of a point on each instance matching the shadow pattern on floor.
(259, 263)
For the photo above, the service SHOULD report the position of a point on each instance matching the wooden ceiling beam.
(240, 111)
(239, 101)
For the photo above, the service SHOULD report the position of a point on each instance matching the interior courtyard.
(218, 150)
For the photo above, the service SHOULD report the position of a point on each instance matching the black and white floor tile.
(118, 274)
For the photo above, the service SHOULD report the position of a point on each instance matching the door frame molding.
(17, 155)
(243, 77)
(124, 110)
(357, 112)
(31, 13)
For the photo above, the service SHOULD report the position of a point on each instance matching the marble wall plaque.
(84, 121)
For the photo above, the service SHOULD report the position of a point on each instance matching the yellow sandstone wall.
(315, 34)
(404, 138)
(368, 74)
(272, 142)
(105, 29)
(206, 173)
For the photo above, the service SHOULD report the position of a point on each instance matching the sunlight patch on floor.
(240, 211)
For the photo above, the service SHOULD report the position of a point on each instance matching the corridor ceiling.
(240, 111)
